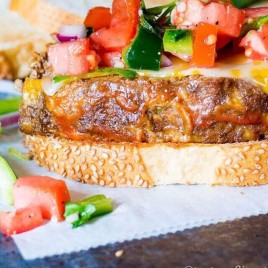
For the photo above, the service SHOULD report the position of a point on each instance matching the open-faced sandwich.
(146, 96)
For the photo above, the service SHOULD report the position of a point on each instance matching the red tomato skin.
(123, 26)
(256, 44)
(70, 58)
(228, 18)
(48, 193)
(22, 220)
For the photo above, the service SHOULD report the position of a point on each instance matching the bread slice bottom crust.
(145, 165)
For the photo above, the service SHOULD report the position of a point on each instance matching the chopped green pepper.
(78, 213)
(243, 3)
(18, 154)
(9, 105)
(255, 24)
(144, 52)
(129, 74)
(178, 42)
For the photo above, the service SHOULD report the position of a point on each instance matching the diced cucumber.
(178, 41)
(7, 179)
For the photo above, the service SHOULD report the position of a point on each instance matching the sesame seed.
(121, 174)
(84, 167)
(242, 178)
(112, 184)
(122, 149)
(93, 152)
(95, 158)
(77, 168)
(72, 160)
(93, 167)
(256, 171)
(123, 181)
(257, 158)
(247, 148)
(137, 158)
(141, 168)
(231, 170)
(145, 184)
(137, 177)
(119, 253)
(237, 166)
(94, 179)
(87, 176)
(42, 155)
(223, 172)
(242, 156)
(109, 178)
(55, 157)
(122, 166)
(95, 174)
(262, 176)
(260, 151)
(257, 166)
(105, 155)
(228, 162)
(115, 167)
(140, 182)
(264, 145)
(246, 170)
(101, 172)
(102, 183)
(129, 167)
(78, 152)
(101, 163)
(129, 183)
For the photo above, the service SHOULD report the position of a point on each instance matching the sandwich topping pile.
(190, 71)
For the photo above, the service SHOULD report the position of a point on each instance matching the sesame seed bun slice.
(145, 165)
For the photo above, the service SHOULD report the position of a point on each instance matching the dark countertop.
(241, 243)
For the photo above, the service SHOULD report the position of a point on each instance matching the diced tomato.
(205, 40)
(228, 18)
(123, 26)
(256, 44)
(21, 220)
(189, 13)
(48, 193)
(70, 58)
(98, 17)
(222, 41)
(256, 12)
(112, 59)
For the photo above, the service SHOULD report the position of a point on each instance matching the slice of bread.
(18, 41)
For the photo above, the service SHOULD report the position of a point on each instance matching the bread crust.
(146, 165)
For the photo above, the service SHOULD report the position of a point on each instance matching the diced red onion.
(9, 119)
(71, 32)
(165, 61)
(255, 12)
(64, 38)
(183, 57)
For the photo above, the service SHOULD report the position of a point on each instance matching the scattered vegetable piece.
(256, 43)
(71, 58)
(255, 24)
(48, 193)
(144, 52)
(179, 42)
(7, 180)
(18, 154)
(9, 105)
(205, 40)
(122, 28)
(21, 220)
(243, 3)
(78, 213)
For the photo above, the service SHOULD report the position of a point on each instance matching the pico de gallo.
(130, 35)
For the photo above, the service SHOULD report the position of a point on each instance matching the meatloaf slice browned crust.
(187, 109)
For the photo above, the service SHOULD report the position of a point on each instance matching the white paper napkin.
(138, 213)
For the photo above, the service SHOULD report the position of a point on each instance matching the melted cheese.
(233, 66)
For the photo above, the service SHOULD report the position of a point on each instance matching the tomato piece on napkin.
(21, 220)
(48, 193)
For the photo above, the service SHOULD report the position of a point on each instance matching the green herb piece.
(18, 154)
(178, 42)
(144, 52)
(78, 213)
(255, 24)
(9, 105)
(7, 179)
(129, 74)
(243, 3)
